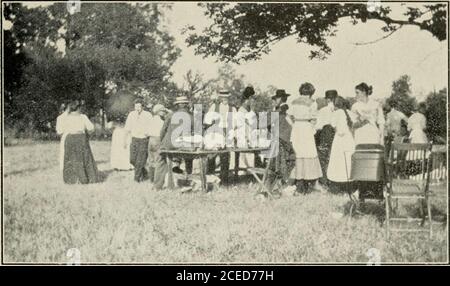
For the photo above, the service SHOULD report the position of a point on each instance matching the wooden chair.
(262, 175)
(408, 177)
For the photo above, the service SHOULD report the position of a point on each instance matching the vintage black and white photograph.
(224, 132)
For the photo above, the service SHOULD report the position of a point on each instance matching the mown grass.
(119, 221)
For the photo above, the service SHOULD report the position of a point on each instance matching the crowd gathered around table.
(314, 145)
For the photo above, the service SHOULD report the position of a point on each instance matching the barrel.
(368, 163)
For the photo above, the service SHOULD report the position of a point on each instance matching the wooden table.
(202, 155)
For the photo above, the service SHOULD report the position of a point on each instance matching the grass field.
(119, 221)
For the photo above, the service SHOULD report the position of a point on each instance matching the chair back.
(438, 172)
(409, 162)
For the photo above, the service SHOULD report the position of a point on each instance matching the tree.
(401, 95)
(30, 26)
(245, 31)
(197, 89)
(116, 42)
(436, 115)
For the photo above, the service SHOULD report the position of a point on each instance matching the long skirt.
(339, 167)
(307, 165)
(79, 163)
(120, 155)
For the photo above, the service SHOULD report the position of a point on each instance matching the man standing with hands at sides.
(138, 124)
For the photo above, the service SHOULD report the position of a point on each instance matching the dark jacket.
(169, 127)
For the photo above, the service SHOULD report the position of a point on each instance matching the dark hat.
(331, 94)
(280, 93)
(248, 92)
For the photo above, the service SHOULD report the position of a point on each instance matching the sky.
(408, 51)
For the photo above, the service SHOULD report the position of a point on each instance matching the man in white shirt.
(139, 124)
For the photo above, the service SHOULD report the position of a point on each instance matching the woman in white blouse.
(369, 125)
(79, 164)
(417, 124)
(339, 167)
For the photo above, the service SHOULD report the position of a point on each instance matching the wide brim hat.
(158, 108)
(280, 93)
(181, 99)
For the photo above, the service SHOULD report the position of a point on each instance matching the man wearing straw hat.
(226, 111)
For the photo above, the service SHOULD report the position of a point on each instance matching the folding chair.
(408, 177)
(262, 175)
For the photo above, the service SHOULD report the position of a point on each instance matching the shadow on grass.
(374, 208)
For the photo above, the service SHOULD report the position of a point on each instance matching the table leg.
(170, 183)
(236, 166)
(203, 174)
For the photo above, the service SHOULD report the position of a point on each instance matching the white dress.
(417, 124)
(339, 167)
(369, 133)
(303, 131)
(307, 165)
(120, 155)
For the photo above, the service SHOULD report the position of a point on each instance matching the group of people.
(315, 145)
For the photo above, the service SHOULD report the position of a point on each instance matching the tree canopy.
(436, 114)
(118, 43)
(245, 31)
(401, 95)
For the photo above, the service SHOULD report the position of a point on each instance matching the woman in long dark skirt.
(79, 163)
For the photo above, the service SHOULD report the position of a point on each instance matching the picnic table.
(202, 155)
